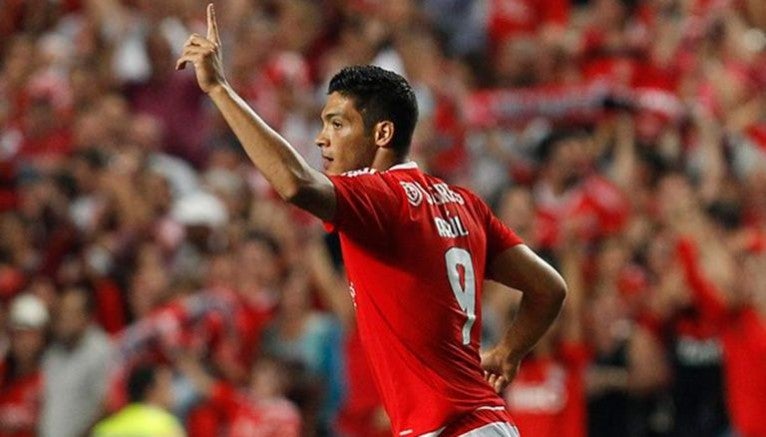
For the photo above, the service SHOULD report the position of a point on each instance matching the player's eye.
(336, 124)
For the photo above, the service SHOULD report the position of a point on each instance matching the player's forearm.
(536, 314)
(543, 295)
(282, 166)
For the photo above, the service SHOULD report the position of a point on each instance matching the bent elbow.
(549, 297)
(290, 193)
(311, 196)
(299, 194)
(549, 292)
(294, 188)
(557, 291)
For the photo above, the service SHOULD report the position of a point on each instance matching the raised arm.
(280, 164)
(543, 294)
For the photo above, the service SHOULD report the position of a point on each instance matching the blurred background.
(151, 281)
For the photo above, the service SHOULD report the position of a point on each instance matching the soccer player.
(416, 249)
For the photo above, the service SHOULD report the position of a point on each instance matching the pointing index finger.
(212, 25)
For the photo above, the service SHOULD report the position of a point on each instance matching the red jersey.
(743, 334)
(744, 348)
(547, 397)
(20, 402)
(510, 18)
(248, 417)
(416, 251)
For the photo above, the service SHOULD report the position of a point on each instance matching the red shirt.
(57, 142)
(246, 417)
(547, 397)
(743, 334)
(744, 353)
(508, 18)
(599, 206)
(416, 252)
(20, 406)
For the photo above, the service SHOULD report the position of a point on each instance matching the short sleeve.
(366, 206)
(499, 236)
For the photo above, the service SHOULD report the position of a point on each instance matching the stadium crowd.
(149, 276)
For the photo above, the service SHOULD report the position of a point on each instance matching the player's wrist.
(218, 90)
(511, 352)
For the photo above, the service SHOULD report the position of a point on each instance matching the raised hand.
(205, 54)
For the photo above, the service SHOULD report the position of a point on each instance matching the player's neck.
(386, 158)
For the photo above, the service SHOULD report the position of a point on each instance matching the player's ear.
(384, 133)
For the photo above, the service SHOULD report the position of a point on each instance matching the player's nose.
(321, 139)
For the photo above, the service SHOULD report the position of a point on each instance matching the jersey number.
(461, 279)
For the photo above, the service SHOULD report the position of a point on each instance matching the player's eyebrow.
(330, 115)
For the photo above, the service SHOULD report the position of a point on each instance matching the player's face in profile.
(344, 143)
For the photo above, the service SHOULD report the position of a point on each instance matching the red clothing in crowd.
(176, 101)
(743, 333)
(110, 307)
(450, 158)
(57, 142)
(547, 397)
(20, 401)
(744, 352)
(216, 321)
(394, 226)
(597, 204)
(508, 18)
(243, 416)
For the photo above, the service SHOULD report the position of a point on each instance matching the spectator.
(20, 376)
(260, 410)
(639, 123)
(150, 394)
(308, 337)
(547, 397)
(74, 368)
(628, 371)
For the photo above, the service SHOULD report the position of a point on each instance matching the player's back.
(416, 250)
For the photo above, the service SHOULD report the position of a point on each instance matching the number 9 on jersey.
(461, 279)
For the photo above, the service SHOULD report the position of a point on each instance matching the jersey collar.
(409, 165)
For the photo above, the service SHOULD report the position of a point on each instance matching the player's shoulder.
(468, 196)
(368, 180)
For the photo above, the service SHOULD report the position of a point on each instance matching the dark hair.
(141, 379)
(258, 236)
(89, 306)
(380, 95)
(548, 145)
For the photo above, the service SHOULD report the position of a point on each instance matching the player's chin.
(333, 168)
(329, 167)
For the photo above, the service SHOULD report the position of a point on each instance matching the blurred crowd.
(151, 282)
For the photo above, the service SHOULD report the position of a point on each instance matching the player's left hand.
(500, 367)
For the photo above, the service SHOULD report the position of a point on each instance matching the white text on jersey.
(452, 227)
(436, 194)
